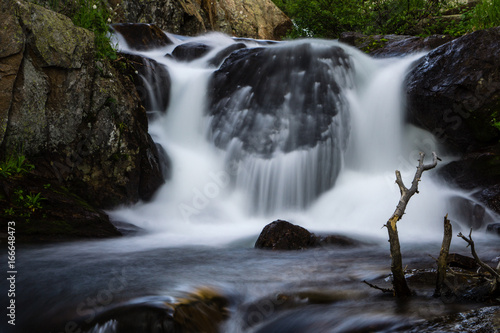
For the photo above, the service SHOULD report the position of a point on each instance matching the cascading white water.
(345, 182)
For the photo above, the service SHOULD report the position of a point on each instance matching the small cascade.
(309, 131)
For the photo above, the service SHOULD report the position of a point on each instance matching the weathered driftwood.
(442, 261)
(401, 289)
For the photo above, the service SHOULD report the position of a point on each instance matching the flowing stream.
(313, 139)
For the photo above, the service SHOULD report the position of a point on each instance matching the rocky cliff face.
(243, 18)
(78, 119)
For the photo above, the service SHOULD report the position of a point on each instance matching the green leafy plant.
(15, 165)
(486, 15)
(329, 18)
(25, 204)
(94, 16)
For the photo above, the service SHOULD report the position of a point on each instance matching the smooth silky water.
(200, 227)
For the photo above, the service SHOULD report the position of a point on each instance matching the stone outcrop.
(77, 119)
(245, 18)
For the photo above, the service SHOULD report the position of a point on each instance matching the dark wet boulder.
(454, 91)
(478, 172)
(269, 105)
(190, 51)
(219, 58)
(155, 95)
(282, 235)
(255, 95)
(141, 36)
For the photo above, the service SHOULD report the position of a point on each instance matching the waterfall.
(310, 131)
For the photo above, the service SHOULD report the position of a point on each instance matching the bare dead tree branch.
(384, 290)
(486, 267)
(401, 289)
(443, 256)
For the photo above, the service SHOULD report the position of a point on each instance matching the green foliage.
(29, 201)
(486, 15)
(495, 120)
(329, 18)
(24, 204)
(323, 18)
(15, 165)
(94, 16)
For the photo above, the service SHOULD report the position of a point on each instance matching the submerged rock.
(201, 311)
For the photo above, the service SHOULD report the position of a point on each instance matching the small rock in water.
(283, 235)
(190, 51)
(493, 228)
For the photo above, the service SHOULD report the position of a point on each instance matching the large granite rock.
(454, 91)
(244, 18)
(78, 119)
